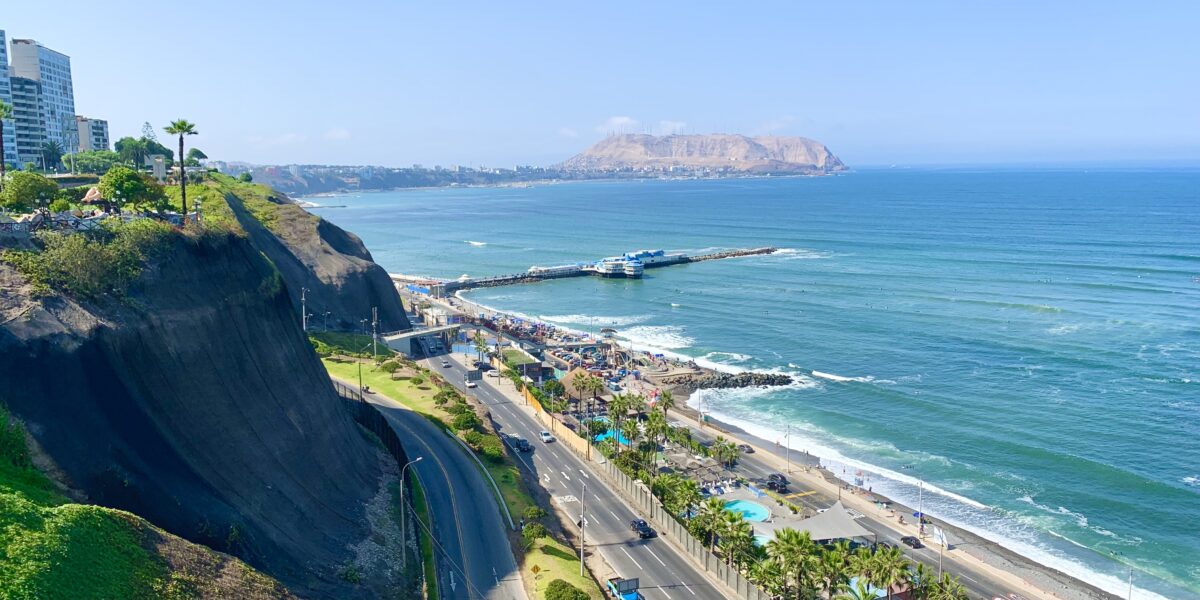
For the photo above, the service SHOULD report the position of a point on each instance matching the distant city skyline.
(499, 85)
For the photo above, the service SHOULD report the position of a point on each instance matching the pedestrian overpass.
(404, 341)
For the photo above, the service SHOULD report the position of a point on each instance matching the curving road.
(664, 572)
(474, 559)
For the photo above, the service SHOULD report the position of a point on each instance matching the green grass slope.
(51, 548)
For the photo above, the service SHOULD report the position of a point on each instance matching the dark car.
(746, 448)
(776, 486)
(778, 478)
(522, 445)
(643, 529)
(912, 542)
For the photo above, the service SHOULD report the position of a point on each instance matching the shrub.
(94, 263)
(24, 190)
(60, 205)
(465, 421)
(389, 366)
(533, 513)
(561, 590)
(533, 532)
(493, 449)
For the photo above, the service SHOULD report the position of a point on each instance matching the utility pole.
(788, 451)
(403, 512)
(304, 308)
(921, 509)
(374, 329)
(583, 522)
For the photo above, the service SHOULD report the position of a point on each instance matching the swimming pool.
(761, 540)
(610, 433)
(751, 511)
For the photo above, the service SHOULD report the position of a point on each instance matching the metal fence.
(639, 495)
(368, 416)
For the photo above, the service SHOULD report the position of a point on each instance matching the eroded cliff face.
(197, 403)
(764, 154)
(333, 264)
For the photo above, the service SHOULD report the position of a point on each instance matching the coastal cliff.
(191, 398)
(765, 154)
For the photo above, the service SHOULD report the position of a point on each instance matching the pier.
(625, 266)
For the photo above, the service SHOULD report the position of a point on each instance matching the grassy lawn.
(513, 356)
(429, 566)
(338, 342)
(50, 548)
(554, 560)
(416, 397)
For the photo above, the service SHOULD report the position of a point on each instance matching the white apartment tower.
(52, 72)
(93, 134)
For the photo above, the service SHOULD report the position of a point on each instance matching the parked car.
(746, 448)
(643, 529)
(546, 437)
(472, 384)
(492, 373)
(912, 542)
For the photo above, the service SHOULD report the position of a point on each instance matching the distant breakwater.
(714, 380)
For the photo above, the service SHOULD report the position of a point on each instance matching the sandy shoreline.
(1031, 578)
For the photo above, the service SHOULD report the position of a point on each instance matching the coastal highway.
(468, 530)
(664, 573)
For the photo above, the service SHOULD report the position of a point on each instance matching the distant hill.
(726, 152)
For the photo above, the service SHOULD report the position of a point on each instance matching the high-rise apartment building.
(10, 125)
(93, 134)
(29, 133)
(52, 71)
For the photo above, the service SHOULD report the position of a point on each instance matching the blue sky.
(501, 83)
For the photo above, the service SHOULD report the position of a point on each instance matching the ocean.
(1024, 345)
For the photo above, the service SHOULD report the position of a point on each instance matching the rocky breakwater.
(714, 380)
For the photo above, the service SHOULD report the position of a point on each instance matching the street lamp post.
(404, 512)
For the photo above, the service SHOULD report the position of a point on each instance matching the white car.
(445, 364)
(472, 384)
(492, 373)
(546, 437)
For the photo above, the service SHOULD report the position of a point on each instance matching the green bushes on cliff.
(92, 263)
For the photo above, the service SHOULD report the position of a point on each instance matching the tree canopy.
(96, 161)
(24, 189)
(123, 186)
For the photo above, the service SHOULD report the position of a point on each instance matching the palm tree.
(656, 427)
(666, 401)
(796, 553)
(6, 112)
(768, 574)
(831, 569)
(861, 590)
(948, 588)
(923, 582)
(709, 517)
(863, 564)
(891, 569)
(52, 153)
(480, 344)
(617, 407)
(630, 431)
(736, 536)
(182, 127)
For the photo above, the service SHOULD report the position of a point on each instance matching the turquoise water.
(751, 511)
(1025, 343)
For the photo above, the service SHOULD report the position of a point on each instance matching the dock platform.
(441, 289)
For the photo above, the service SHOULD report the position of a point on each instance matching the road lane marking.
(656, 557)
(664, 592)
(585, 474)
(687, 587)
(639, 565)
(613, 514)
(565, 476)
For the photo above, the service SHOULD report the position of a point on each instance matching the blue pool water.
(751, 511)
